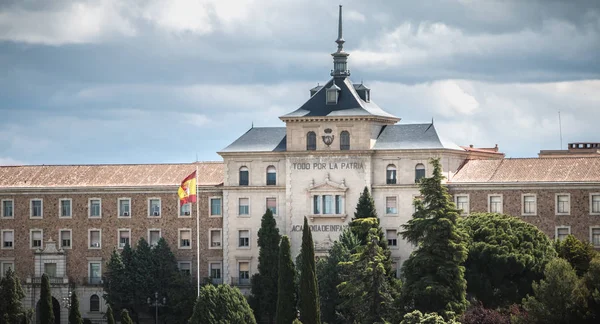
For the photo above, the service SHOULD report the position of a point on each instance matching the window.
(244, 272)
(327, 204)
(124, 237)
(65, 209)
(390, 174)
(95, 238)
(392, 237)
(391, 205)
(529, 205)
(185, 238)
(495, 204)
(95, 208)
(563, 204)
(215, 206)
(153, 236)
(244, 237)
(462, 203)
(65, 238)
(50, 269)
(244, 176)
(124, 207)
(154, 207)
(36, 237)
(562, 232)
(332, 94)
(271, 176)
(94, 303)
(95, 273)
(185, 209)
(344, 141)
(595, 236)
(8, 208)
(215, 272)
(311, 141)
(339, 204)
(419, 172)
(316, 205)
(244, 208)
(185, 267)
(595, 204)
(36, 208)
(215, 239)
(272, 205)
(5, 266)
(8, 239)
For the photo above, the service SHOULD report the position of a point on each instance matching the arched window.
(94, 303)
(419, 172)
(243, 176)
(311, 141)
(344, 141)
(271, 176)
(390, 174)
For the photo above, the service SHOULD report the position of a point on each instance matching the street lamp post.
(156, 304)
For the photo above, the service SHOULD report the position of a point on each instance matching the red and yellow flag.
(187, 190)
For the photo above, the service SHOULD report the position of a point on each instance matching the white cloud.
(10, 161)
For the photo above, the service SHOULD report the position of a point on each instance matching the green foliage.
(46, 310)
(119, 289)
(125, 319)
(434, 275)
(286, 294)
(87, 321)
(296, 321)
(220, 305)
(110, 318)
(329, 274)
(74, 314)
(558, 298)
(309, 292)
(366, 206)
(590, 285)
(506, 255)
(11, 294)
(367, 292)
(264, 286)
(416, 317)
(477, 314)
(578, 253)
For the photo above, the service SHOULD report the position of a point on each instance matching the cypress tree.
(74, 314)
(268, 255)
(434, 274)
(11, 294)
(366, 206)
(46, 310)
(115, 280)
(309, 292)
(286, 296)
(125, 319)
(110, 318)
(142, 273)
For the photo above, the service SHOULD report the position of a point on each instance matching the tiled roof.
(110, 175)
(529, 170)
(411, 137)
(260, 139)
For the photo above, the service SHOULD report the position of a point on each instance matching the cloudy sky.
(142, 81)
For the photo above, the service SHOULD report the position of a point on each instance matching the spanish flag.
(187, 190)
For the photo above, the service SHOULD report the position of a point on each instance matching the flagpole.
(197, 232)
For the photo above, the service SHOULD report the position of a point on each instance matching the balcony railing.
(92, 281)
(214, 281)
(241, 282)
(51, 280)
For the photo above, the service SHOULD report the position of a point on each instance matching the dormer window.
(367, 95)
(332, 94)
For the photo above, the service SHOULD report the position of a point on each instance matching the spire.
(340, 58)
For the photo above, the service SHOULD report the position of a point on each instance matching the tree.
(286, 293)
(579, 254)
(141, 274)
(367, 290)
(221, 304)
(416, 317)
(46, 310)
(366, 206)
(557, 298)
(591, 284)
(433, 274)
(125, 319)
(11, 294)
(309, 292)
(329, 274)
(477, 314)
(264, 286)
(74, 314)
(110, 318)
(506, 255)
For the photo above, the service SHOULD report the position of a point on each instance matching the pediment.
(328, 185)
